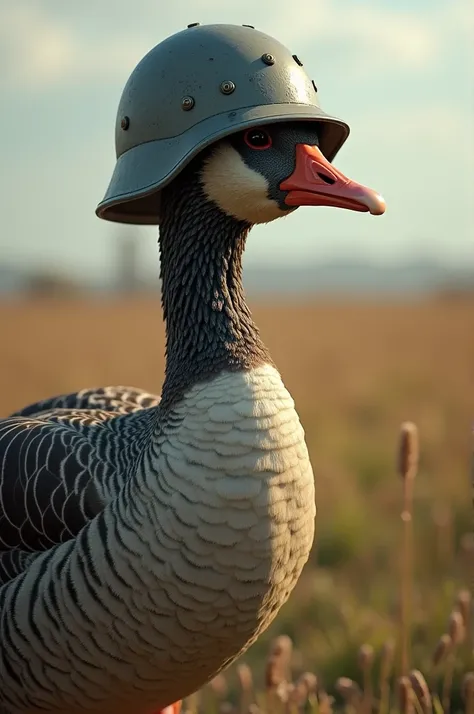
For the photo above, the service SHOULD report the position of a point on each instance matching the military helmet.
(194, 88)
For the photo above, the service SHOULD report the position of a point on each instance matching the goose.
(145, 541)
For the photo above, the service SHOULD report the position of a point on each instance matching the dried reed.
(386, 664)
(245, 678)
(457, 632)
(278, 682)
(366, 661)
(406, 695)
(408, 455)
(443, 648)
(468, 692)
(350, 693)
(421, 690)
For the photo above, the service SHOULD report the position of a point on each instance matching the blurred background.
(369, 320)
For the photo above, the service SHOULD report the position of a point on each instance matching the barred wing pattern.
(60, 467)
(121, 400)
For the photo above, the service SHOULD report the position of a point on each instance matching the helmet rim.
(134, 176)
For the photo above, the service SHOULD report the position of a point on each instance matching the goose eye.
(258, 139)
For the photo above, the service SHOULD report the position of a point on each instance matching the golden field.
(356, 369)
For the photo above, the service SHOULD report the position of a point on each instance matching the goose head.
(251, 177)
(241, 105)
(266, 172)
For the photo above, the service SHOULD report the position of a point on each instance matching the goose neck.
(209, 326)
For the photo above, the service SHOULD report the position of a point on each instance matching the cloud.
(38, 50)
(52, 43)
(34, 48)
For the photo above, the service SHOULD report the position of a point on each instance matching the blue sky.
(400, 73)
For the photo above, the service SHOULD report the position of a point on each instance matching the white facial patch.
(237, 189)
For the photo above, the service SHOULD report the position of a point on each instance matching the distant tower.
(128, 280)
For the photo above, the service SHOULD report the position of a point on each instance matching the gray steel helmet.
(194, 88)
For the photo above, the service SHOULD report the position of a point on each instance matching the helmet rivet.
(314, 85)
(187, 103)
(227, 87)
(193, 24)
(297, 60)
(268, 58)
(125, 123)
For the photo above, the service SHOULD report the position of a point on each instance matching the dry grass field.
(356, 369)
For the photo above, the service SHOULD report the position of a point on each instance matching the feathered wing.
(121, 400)
(13, 562)
(47, 486)
(61, 460)
(57, 471)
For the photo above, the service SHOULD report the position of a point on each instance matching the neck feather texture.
(209, 326)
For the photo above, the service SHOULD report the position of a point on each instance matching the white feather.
(236, 188)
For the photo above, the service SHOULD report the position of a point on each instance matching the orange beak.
(172, 709)
(315, 182)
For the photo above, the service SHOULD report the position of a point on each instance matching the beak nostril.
(326, 179)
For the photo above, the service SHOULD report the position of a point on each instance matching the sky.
(400, 73)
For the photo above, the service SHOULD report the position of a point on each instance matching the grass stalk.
(408, 454)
